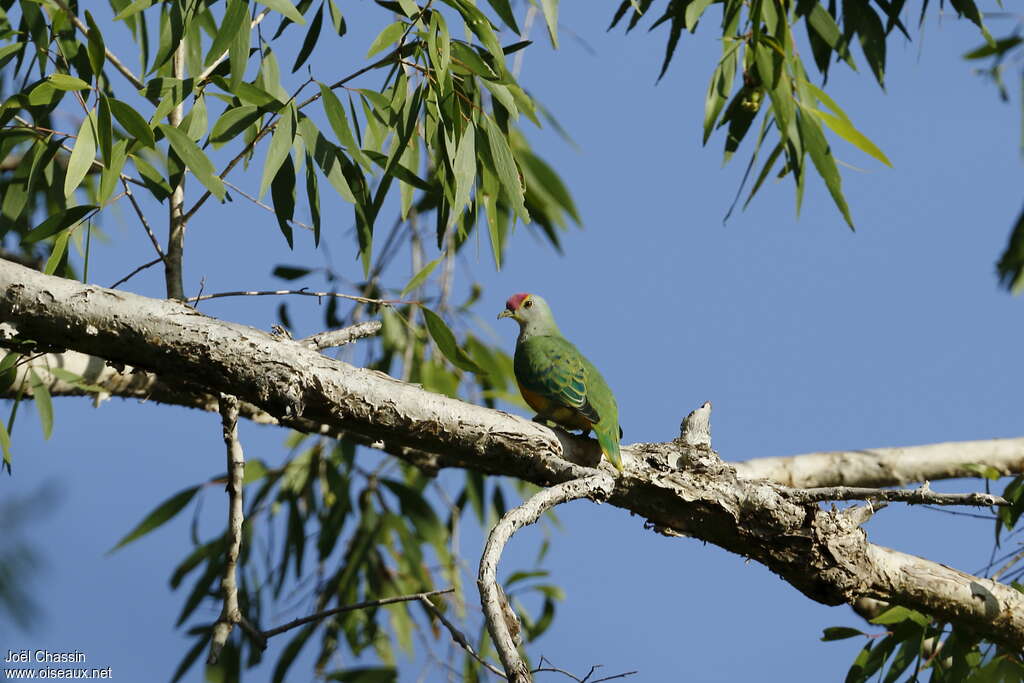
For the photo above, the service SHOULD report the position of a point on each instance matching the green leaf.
(66, 82)
(194, 159)
(232, 122)
(817, 146)
(286, 8)
(339, 123)
(44, 404)
(465, 172)
(313, 197)
(505, 166)
(82, 154)
(291, 272)
(280, 146)
(104, 129)
(309, 42)
(159, 516)
(420, 277)
(550, 9)
(898, 614)
(5, 445)
(389, 35)
(60, 245)
(236, 15)
(282, 192)
(1001, 47)
(133, 9)
(445, 340)
(96, 48)
(504, 10)
(840, 633)
(58, 222)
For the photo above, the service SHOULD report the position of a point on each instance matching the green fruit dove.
(556, 380)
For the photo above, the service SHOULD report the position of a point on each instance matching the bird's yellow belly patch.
(567, 417)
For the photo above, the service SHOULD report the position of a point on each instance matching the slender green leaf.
(550, 10)
(133, 122)
(840, 633)
(66, 82)
(313, 197)
(420, 277)
(60, 246)
(282, 193)
(389, 35)
(44, 404)
(816, 144)
(505, 167)
(133, 9)
(194, 159)
(96, 48)
(445, 340)
(465, 172)
(280, 145)
(58, 222)
(286, 8)
(232, 122)
(236, 15)
(82, 154)
(159, 516)
(339, 123)
(309, 42)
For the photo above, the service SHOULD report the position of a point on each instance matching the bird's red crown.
(515, 301)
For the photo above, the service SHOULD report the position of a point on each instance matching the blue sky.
(804, 335)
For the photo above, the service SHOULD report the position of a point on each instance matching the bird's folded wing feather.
(558, 372)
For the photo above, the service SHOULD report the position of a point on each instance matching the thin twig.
(260, 204)
(230, 613)
(346, 335)
(922, 495)
(459, 637)
(551, 668)
(142, 219)
(304, 292)
(596, 486)
(349, 608)
(135, 272)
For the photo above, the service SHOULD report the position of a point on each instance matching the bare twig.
(230, 613)
(302, 292)
(551, 668)
(597, 486)
(142, 219)
(135, 272)
(458, 636)
(922, 495)
(346, 335)
(176, 218)
(262, 205)
(349, 608)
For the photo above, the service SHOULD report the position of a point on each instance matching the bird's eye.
(528, 303)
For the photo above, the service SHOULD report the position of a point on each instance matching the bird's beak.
(506, 314)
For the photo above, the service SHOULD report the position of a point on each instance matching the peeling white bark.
(681, 490)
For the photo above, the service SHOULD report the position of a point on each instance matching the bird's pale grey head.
(531, 312)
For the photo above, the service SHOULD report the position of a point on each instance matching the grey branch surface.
(597, 485)
(230, 614)
(887, 466)
(680, 490)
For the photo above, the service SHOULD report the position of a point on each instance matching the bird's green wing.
(555, 369)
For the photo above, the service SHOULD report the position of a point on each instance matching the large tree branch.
(888, 466)
(681, 490)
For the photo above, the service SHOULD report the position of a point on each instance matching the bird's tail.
(609, 442)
